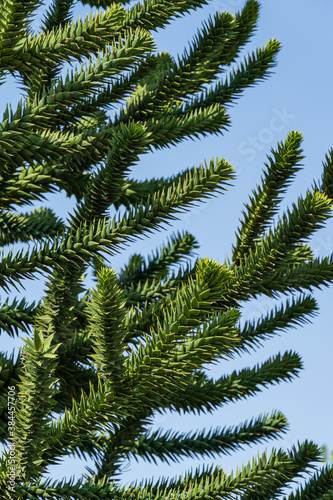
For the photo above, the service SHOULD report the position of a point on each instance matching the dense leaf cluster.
(98, 364)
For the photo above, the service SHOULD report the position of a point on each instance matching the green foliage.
(35, 393)
(102, 362)
(328, 457)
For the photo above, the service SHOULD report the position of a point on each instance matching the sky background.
(298, 96)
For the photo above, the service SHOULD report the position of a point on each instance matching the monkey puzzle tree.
(98, 364)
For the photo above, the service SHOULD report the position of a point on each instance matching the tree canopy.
(97, 364)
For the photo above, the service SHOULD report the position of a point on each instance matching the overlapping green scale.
(103, 362)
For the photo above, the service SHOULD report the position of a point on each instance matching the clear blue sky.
(298, 96)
